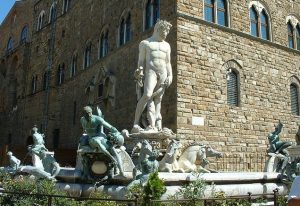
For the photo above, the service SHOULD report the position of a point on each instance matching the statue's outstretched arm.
(278, 128)
(106, 124)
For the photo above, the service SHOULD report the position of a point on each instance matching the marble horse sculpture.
(169, 161)
(193, 152)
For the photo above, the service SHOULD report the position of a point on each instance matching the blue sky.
(5, 6)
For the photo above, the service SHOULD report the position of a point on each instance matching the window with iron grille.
(232, 89)
(294, 99)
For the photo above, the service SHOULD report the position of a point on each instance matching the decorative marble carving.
(258, 6)
(294, 21)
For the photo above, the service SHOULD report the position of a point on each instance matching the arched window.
(290, 35)
(52, 15)
(294, 99)
(232, 88)
(60, 74)
(152, 13)
(66, 6)
(34, 84)
(259, 21)
(298, 36)
(128, 28)
(103, 44)
(216, 11)
(222, 12)
(264, 25)
(87, 55)
(40, 21)
(45, 81)
(74, 65)
(122, 33)
(10, 45)
(24, 35)
(209, 10)
(125, 30)
(254, 22)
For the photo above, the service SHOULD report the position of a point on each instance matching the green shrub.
(100, 195)
(154, 188)
(28, 185)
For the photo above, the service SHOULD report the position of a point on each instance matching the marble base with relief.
(233, 184)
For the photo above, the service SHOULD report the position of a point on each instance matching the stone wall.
(265, 71)
(83, 23)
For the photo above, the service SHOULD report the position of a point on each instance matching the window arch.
(52, 14)
(152, 13)
(24, 35)
(260, 24)
(74, 65)
(60, 74)
(294, 92)
(290, 35)
(125, 29)
(87, 55)
(104, 44)
(254, 22)
(66, 6)
(10, 45)
(40, 20)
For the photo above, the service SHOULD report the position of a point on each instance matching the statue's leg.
(157, 103)
(151, 114)
(119, 162)
(149, 85)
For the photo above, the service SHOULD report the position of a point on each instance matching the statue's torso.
(156, 56)
(91, 127)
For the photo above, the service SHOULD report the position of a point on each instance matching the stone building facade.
(87, 51)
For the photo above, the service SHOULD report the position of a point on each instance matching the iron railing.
(248, 200)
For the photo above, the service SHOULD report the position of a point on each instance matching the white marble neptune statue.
(154, 75)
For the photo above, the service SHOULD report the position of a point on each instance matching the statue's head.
(9, 153)
(88, 112)
(162, 28)
(34, 129)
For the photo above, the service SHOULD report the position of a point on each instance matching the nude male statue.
(155, 67)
